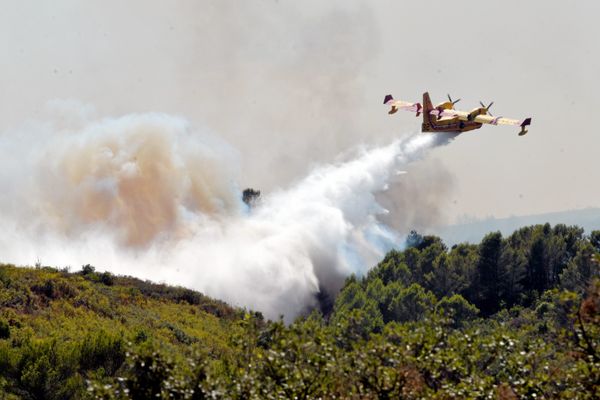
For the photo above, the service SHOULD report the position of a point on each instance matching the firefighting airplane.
(444, 118)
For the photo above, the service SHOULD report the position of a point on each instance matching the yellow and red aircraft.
(444, 118)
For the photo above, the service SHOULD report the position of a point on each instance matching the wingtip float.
(444, 118)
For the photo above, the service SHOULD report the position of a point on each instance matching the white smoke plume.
(151, 196)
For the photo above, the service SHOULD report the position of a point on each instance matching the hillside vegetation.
(509, 318)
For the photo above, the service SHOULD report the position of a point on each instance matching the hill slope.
(512, 317)
(60, 328)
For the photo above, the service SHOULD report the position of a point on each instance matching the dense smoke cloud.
(292, 84)
(286, 84)
(150, 195)
(418, 200)
(137, 175)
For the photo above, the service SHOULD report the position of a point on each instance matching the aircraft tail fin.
(388, 98)
(427, 105)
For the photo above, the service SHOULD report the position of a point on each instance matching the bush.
(4, 279)
(55, 289)
(4, 329)
(457, 309)
(46, 290)
(411, 304)
(47, 369)
(102, 349)
(87, 269)
(107, 278)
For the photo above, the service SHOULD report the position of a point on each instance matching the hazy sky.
(293, 84)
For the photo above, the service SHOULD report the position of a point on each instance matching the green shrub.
(457, 309)
(4, 329)
(87, 269)
(102, 350)
(107, 278)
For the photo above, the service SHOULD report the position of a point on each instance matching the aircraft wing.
(462, 115)
(488, 119)
(401, 105)
(484, 119)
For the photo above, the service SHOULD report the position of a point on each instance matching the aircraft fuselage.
(432, 124)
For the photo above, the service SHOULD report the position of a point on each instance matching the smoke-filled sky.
(290, 84)
(128, 129)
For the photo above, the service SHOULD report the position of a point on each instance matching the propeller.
(453, 102)
(487, 109)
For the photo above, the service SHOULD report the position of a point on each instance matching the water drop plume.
(149, 195)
